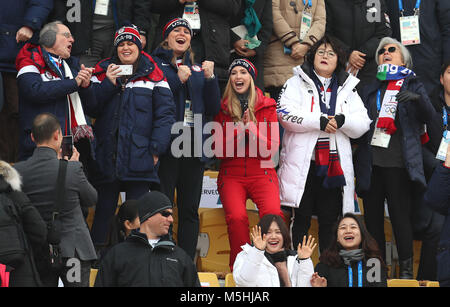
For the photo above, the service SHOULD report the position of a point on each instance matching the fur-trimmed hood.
(9, 177)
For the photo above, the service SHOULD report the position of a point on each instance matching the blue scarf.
(251, 21)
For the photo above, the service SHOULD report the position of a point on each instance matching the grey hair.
(47, 36)
(406, 56)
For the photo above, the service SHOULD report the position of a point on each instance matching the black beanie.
(151, 203)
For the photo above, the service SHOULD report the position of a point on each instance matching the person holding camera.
(134, 111)
(51, 80)
(39, 177)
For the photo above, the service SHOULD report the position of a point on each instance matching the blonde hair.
(234, 105)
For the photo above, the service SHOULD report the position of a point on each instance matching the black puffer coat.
(33, 225)
(134, 263)
(347, 21)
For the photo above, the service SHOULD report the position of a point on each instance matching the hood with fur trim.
(9, 177)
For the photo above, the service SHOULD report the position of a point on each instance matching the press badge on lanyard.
(188, 114)
(380, 138)
(409, 25)
(306, 19)
(192, 15)
(101, 7)
(442, 151)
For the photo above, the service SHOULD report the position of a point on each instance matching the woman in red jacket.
(246, 143)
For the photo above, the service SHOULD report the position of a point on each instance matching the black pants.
(393, 184)
(326, 203)
(9, 119)
(75, 273)
(186, 176)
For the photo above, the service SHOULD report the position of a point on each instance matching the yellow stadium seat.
(214, 235)
(229, 280)
(402, 283)
(432, 284)
(208, 279)
(92, 277)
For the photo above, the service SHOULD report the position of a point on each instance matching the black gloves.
(407, 96)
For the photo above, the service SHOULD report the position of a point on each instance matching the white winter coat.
(252, 269)
(301, 121)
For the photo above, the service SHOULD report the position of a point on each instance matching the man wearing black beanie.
(148, 258)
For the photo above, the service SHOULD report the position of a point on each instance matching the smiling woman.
(351, 252)
(270, 262)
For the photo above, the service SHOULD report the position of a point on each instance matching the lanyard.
(445, 120)
(379, 101)
(310, 3)
(400, 5)
(350, 275)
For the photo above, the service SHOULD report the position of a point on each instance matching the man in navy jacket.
(20, 21)
(50, 80)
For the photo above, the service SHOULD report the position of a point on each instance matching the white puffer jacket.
(252, 269)
(299, 113)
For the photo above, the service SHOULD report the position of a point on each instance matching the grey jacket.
(39, 174)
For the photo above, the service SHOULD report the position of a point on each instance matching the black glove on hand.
(323, 122)
(407, 96)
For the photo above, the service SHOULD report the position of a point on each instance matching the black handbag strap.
(60, 188)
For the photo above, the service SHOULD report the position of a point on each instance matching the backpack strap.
(60, 188)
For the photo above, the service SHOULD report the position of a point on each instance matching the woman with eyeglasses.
(320, 111)
(389, 161)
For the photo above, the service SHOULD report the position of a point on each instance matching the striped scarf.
(327, 157)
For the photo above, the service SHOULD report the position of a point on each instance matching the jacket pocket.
(140, 158)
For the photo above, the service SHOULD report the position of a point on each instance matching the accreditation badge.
(442, 151)
(192, 15)
(409, 30)
(380, 138)
(305, 24)
(101, 7)
(188, 114)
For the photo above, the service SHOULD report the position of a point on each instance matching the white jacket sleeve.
(302, 273)
(291, 109)
(357, 121)
(246, 266)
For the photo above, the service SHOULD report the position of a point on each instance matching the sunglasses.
(166, 213)
(383, 50)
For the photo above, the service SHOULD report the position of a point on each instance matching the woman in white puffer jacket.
(320, 111)
(270, 262)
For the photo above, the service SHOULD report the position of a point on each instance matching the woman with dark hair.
(320, 111)
(126, 219)
(389, 159)
(352, 252)
(197, 95)
(134, 112)
(270, 262)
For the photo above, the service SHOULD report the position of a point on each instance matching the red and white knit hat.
(128, 33)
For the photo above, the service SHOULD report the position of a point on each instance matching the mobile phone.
(126, 70)
(67, 146)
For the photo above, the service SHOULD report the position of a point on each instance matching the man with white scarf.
(50, 80)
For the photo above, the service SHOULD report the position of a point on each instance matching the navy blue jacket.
(434, 35)
(204, 94)
(14, 15)
(43, 89)
(132, 124)
(437, 198)
(412, 116)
